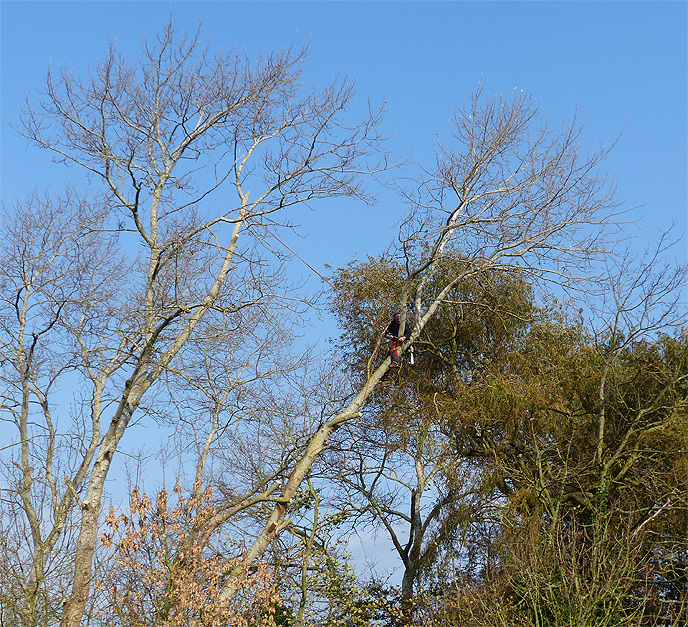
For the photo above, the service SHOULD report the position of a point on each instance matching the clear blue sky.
(623, 64)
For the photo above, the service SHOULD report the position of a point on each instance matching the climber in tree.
(393, 335)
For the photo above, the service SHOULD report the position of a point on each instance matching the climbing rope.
(369, 370)
(324, 278)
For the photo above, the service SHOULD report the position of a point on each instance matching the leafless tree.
(56, 271)
(398, 477)
(185, 150)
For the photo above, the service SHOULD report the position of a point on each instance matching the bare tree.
(396, 477)
(109, 295)
(55, 269)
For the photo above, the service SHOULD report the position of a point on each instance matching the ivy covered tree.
(581, 438)
(531, 461)
(402, 473)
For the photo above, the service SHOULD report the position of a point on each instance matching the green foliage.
(282, 615)
(578, 443)
(584, 446)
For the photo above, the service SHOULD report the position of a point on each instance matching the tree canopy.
(528, 468)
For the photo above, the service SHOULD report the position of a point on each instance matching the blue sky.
(623, 64)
